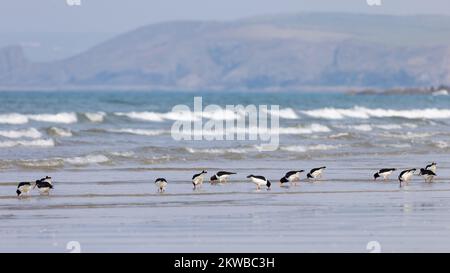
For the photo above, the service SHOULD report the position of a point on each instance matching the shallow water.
(54, 131)
(120, 211)
(104, 151)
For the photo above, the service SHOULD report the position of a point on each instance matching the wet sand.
(120, 211)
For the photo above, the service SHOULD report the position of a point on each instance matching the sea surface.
(105, 149)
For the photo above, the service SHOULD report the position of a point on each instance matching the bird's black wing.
(316, 169)
(386, 170)
(23, 184)
(45, 185)
(428, 172)
(259, 177)
(292, 172)
(224, 173)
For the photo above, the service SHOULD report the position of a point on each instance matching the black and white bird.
(47, 179)
(406, 175)
(431, 167)
(23, 189)
(260, 181)
(291, 177)
(316, 173)
(385, 173)
(161, 184)
(220, 177)
(197, 179)
(43, 186)
(428, 175)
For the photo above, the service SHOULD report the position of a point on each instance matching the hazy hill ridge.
(283, 52)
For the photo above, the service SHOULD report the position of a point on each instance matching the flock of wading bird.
(45, 184)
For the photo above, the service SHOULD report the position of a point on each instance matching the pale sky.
(122, 15)
(77, 27)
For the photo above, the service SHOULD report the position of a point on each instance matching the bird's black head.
(204, 171)
(301, 171)
(376, 175)
(268, 184)
(213, 178)
(250, 176)
(309, 175)
(18, 192)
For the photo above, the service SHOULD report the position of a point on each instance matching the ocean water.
(116, 130)
(104, 150)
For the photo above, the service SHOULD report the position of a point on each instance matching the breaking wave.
(28, 143)
(25, 133)
(95, 117)
(302, 149)
(55, 131)
(222, 114)
(15, 118)
(366, 113)
(140, 132)
(86, 160)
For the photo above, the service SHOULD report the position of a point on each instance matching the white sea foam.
(86, 160)
(55, 131)
(145, 116)
(302, 149)
(442, 92)
(362, 127)
(187, 115)
(339, 135)
(28, 143)
(388, 126)
(141, 132)
(369, 127)
(365, 113)
(441, 144)
(336, 113)
(407, 135)
(41, 163)
(310, 129)
(219, 151)
(25, 133)
(16, 118)
(397, 145)
(55, 118)
(220, 114)
(123, 154)
(256, 148)
(13, 118)
(95, 117)
(313, 128)
(410, 125)
(286, 113)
